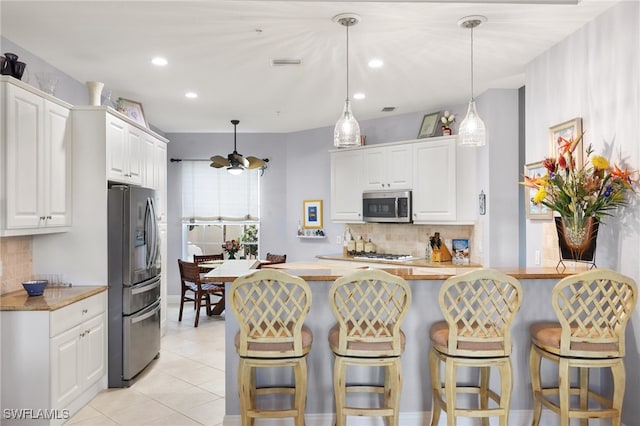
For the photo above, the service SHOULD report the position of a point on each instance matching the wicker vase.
(577, 241)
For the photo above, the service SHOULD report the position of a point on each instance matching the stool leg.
(393, 384)
(506, 381)
(534, 371)
(300, 377)
(619, 384)
(450, 390)
(564, 387)
(584, 393)
(484, 392)
(244, 391)
(339, 390)
(436, 387)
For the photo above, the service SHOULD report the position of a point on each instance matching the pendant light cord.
(472, 64)
(347, 60)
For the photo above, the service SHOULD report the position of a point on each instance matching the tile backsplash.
(17, 264)
(409, 238)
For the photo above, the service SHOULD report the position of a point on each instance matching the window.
(217, 207)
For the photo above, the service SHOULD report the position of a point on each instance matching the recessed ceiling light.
(191, 95)
(359, 96)
(159, 61)
(375, 63)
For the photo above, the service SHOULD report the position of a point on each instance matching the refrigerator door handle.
(151, 233)
(156, 231)
(149, 312)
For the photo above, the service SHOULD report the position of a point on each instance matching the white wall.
(595, 74)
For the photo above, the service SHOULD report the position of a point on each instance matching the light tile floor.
(184, 387)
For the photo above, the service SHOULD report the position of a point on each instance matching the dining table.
(224, 271)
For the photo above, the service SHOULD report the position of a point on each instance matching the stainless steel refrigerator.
(134, 283)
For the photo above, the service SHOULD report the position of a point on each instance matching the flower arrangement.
(447, 119)
(576, 192)
(232, 247)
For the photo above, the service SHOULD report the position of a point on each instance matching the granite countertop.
(417, 262)
(52, 299)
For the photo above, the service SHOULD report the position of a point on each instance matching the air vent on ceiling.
(388, 109)
(277, 62)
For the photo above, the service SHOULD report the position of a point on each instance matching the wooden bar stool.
(270, 307)
(593, 309)
(369, 307)
(478, 308)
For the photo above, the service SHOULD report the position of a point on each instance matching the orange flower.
(623, 175)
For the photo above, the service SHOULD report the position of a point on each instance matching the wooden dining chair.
(478, 307)
(193, 289)
(593, 309)
(206, 258)
(369, 307)
(270, 307)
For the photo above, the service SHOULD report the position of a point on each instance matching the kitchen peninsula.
(425, 283)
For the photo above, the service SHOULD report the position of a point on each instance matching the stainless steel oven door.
(141, 340)
(141, 295)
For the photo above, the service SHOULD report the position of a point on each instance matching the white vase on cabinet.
(95, 92)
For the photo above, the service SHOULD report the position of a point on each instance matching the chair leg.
(484, 392)
(198, 300)
(450, 390)
(534, 371)
(300, 377)
(564, 388)
(436, 386)
(181, 304)
(506, 381)
(619, 384)
(339, 390)
(584, 393)
(393, 384)
(244, 391)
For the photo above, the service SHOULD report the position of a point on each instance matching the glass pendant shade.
(472, 131)
(347, 130)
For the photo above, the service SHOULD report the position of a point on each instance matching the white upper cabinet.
(124, 151)
(346, 185)
(36, 156)
(434, 189)
(388, 167)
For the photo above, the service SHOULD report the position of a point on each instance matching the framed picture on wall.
(533, 210)
(567, 130)
(312, 213)
(133, 110)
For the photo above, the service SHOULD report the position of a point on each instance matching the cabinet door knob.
(49, 217)
(42, 218)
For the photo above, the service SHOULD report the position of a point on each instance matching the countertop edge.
(53, 299)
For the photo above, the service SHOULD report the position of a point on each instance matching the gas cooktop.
(384, 256)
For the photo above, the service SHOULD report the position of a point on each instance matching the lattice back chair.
(196, 291)
(270, 307)
(478, 307)
(369, 307)
(593, 309)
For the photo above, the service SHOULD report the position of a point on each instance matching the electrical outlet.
(338, 239)
(537, 257)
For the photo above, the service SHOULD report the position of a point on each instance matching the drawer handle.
(84, 311)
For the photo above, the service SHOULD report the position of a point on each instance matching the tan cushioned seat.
(307, 339)
(439, 334)
(547, 336)
(334, 340)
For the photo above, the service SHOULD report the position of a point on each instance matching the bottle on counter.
(351, 246)
(360, 245)
(345, 241)
(369, 247)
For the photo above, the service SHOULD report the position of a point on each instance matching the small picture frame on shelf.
(533, 210)
(133, 110)
(430, 125)
(460, 248)
(312, 214)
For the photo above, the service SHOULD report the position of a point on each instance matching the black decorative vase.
(577, 241)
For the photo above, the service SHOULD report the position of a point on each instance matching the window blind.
(210, 194)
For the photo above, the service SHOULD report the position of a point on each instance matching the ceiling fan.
(236, 163)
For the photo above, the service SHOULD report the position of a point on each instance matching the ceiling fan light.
(347, 130)
(235, 170)
(472, 131)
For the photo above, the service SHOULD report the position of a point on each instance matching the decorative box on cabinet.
(388, 167)
(346, 185)
(57, 361)
(35, 153)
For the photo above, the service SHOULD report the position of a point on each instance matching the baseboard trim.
(516, 418)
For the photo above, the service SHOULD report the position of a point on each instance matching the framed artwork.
(429, 126)
(312, 213)
(533, 210)
(460, 251)
(568, 129)
(133, 110)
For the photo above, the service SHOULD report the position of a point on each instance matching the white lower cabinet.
(58, 358)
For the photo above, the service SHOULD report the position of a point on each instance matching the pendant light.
(347, 130)
(472, 131)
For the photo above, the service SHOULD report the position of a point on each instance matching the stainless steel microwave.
(387, 206)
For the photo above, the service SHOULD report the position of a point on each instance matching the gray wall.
(595, 74)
